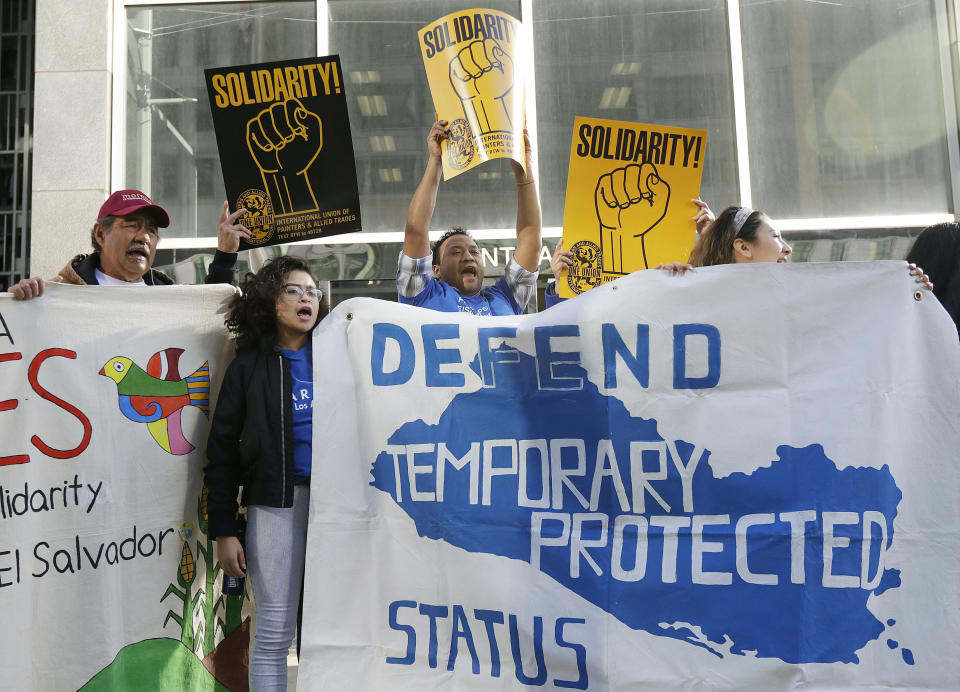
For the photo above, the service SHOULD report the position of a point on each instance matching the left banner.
(108, 578)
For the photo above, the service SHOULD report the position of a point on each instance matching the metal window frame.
(948, 24)
(739, 103)
(951, 93)
(948, 29)
(15, 220)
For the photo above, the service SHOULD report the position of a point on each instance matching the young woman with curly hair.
(260, 441)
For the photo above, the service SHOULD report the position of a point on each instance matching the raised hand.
(479, 75)
(704, 216)
(284, 141)
(439, 132)
(229, 231)
(629, 202)
(561, 261)
(518, 170)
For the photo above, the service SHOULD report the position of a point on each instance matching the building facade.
(839, 119)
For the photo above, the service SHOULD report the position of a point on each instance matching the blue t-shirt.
(550, 295)
(492, 300)
(508, 296)
(301, 372)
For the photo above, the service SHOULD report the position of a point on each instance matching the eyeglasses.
(295, 292)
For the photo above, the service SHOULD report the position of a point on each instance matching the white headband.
(740, 218)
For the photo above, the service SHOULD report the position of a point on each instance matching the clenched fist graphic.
(482, 76)
(284, 140)
(629, 202)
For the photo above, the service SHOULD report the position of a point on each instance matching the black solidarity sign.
(285, 148)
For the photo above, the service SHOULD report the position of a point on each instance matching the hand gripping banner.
(743, 478)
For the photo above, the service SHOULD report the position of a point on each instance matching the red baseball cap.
(123, 202)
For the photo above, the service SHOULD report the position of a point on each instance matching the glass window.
(171, 150)
(844, 108)
(665, 62)
(844, 101)
(391, 112)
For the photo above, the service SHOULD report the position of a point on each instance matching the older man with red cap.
(124, 242)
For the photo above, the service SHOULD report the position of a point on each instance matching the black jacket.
(251, 439)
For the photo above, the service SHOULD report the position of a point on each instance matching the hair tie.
(740, 218)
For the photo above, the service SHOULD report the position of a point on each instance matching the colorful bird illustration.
(156, 396)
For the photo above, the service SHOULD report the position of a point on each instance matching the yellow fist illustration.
(482, 76)
(284, 140)
(629, 201)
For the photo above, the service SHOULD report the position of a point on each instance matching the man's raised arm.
(528, 212)
(416, 240)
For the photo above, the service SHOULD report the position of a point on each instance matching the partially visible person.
(937, 250)
(260, 442)
(739, 235)
(450, 278)
(743, 235)
(124, 240)
(562, 259)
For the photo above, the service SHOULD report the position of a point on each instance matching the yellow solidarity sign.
(473, 61)
(628, 205)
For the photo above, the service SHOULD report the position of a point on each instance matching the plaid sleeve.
(522, 283)
(413, 275)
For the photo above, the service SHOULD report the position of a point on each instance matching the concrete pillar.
(72, 111)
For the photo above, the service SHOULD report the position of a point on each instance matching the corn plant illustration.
(185, 577)
(196, 660)
(232, 606)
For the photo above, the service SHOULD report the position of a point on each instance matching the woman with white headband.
(739, 234)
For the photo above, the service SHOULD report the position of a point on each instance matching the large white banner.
(107, 575)
(742, 478)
